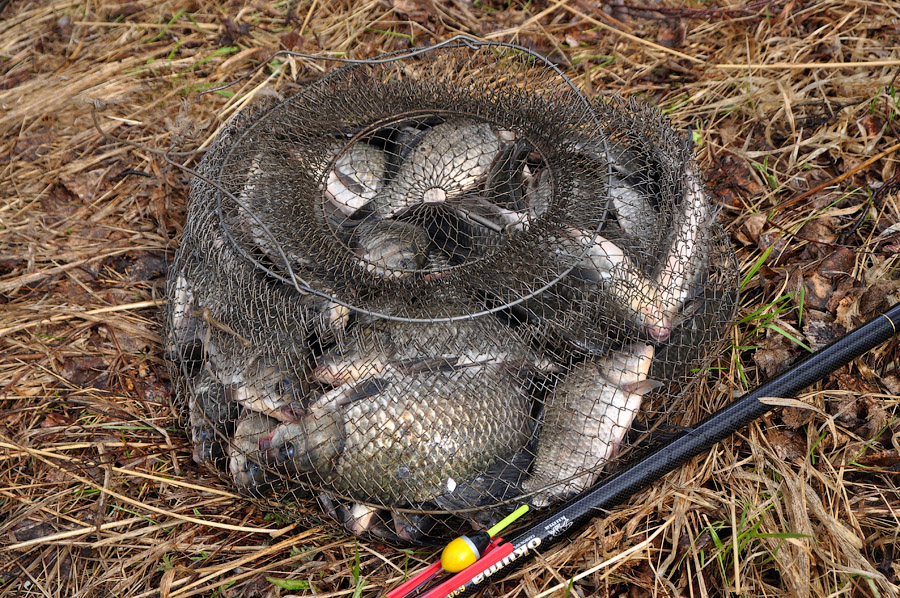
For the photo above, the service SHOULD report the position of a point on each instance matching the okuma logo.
(511, 557)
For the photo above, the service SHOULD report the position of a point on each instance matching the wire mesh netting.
(427, 290)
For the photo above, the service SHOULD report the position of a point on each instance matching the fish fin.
(426, 364)
(365, 389)
(642, 387)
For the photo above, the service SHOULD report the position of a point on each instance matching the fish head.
(248, 473)
(308, 445)
(355, 178)
(246, 462)
(393, 249)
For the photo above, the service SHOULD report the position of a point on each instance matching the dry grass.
(98, 494)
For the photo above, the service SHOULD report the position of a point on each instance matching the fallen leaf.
(753, 225)
(291, 40)
(892, 383)
(788, 445)
(84, 184)
(86, 371)
(794, 417)
(59, 203)
(880, 459)
(775, 240)
(820, 230)
(847, 313)
(419, 11)
(816, 291)
(819, 333)
(838, 263)
(871, 124)
(875, 298)
(875, 417)
(776, 355)
(56, 420)
(29, 529)
(671, 35)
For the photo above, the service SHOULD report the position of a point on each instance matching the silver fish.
(538, 192)
(449, 160)
(333, 316)
(255, 223)
(633, 291)
(634, 210)
(211, 415)
(390, 248)
(257, 385)
(411, 527)
(586, 418)
(634, 213)
(356, 177)
(495, 220)
(379, 345)
(685, 257)
(360, 518)
(407, 438)
(183, 310)
(246, 456)
(506, 179)
(185, 329)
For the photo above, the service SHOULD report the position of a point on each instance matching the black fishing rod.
(612, 491)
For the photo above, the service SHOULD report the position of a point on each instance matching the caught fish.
(406, 438)
(506, 179)
(183, 311)
(585, 420)
(184, 342)
(411, 527)
(631, 191)
(636, 216)
(360, 518)
(246, 456)
(248, 209)
(390, 248)
(685, 257)
(379, 345)
(538, 192)
(449, 160)
(632, 290)
(491, 219)
(356, 177)
(256, 385)
(211, 416)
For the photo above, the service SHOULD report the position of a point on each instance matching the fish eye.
(286, 452)
(284, 386)
(406, 264)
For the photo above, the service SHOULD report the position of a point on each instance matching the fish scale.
(419, 433)
(446, 161)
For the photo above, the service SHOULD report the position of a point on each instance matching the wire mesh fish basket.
(429, 287)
